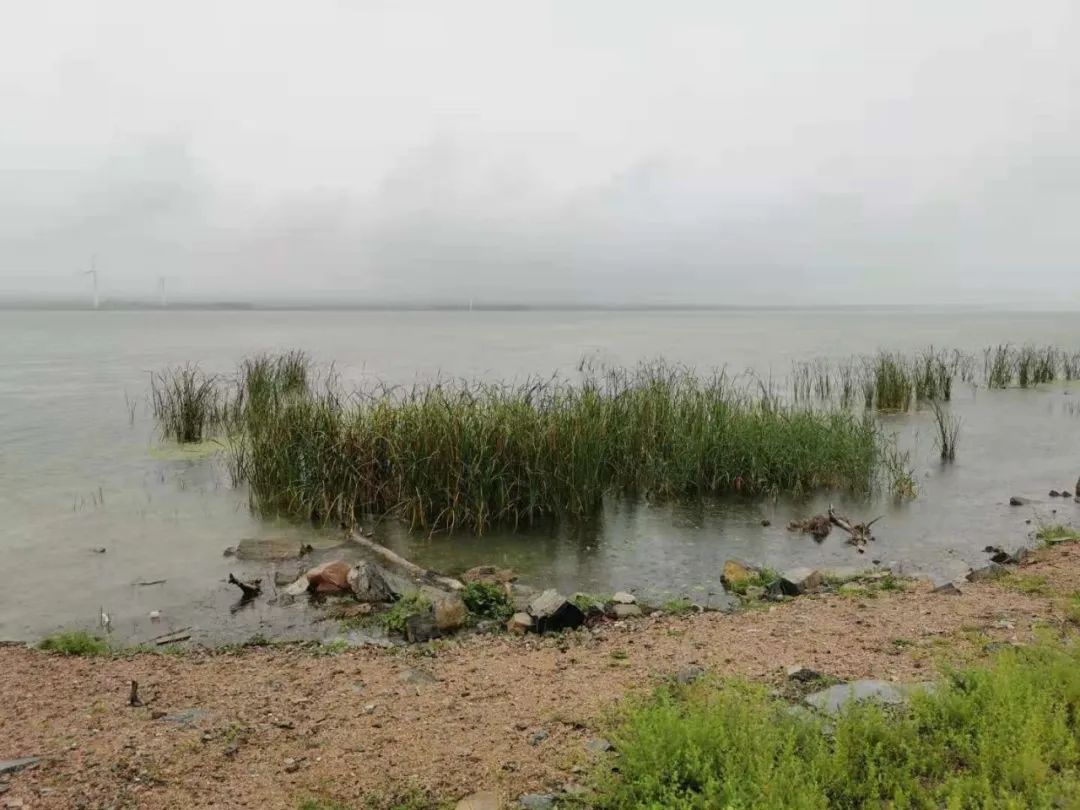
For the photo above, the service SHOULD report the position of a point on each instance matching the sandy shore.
(268, 728)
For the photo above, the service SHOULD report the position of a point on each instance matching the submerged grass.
(467, 456)
(1004, 736)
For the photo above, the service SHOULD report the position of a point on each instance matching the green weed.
(487, 600)
(75, 642)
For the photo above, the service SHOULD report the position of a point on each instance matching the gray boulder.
(623, 611)
(421, 627)
(551, 611)
(537, 801)
(367, 583)
(798, 581)
(987, 573)
(831, 700)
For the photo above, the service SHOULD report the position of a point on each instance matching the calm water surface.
(81, 468)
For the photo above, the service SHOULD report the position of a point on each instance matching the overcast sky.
(707, 152)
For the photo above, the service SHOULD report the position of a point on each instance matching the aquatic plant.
(460, 455)
(75, 643)
(187, 403)
(998, 736)
(948, 430)
(933, 373)
(998, 366)
(892, 382)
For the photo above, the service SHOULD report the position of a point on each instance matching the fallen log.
(817, 526)
(250, 589)
(412, 569)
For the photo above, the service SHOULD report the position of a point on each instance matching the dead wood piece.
(411, 568)
(133, 698)
(817, 526)
(250, 589)
(859, 534)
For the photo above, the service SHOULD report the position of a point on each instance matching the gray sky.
(709, 152)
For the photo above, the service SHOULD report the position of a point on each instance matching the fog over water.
(610, 152)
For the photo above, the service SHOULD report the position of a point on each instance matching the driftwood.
(250, 589)
(818, 526)
(133, 698)
(858, 533)
(410, 568)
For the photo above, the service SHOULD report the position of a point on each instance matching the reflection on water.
(77, 474)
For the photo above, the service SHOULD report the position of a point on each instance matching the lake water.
(81, 467)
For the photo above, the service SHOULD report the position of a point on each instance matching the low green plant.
(763, 578)
(1027, 583)
(487, 600)
(75, 642)
(1050, 534)
(678, 607)
(1000, 736)
(409, 604)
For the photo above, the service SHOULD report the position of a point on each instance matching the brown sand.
(509, 714)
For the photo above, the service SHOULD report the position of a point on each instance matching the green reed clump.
(468, 456)
(948, 430)
(1000, 736)
(187, 403)
(892, 382)
(1036, 365)
(998, 366)
(933, 372)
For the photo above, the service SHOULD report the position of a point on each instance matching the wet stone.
(269, 548)
(797, 581)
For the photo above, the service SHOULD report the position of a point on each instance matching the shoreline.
(511, 714)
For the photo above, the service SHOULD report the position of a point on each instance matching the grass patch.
(1001, 736)
(187, 403)
(487, 600)
(764, 578)
(1027, 583)
(468, 456)
(1050, 534)
(678, 607)
(75, 642)
(893, 382)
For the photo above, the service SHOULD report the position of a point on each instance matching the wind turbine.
(92, 272)
(161, 291)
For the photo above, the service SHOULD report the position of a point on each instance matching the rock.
(291, 765)
(688, 675)
(490, 574)
(1016, 500)
(450, 612)
(621, 611)
(986, 573)
(537, 801)
(798, 581)
(368, 584)
(285, 578)
(991, 549)
(624, 598)
(417, 677)
(1020, 556)
(1000, 557)
(484, 800)
(330, 577)
(552, 611)
(832, 699)
(268, 548)
(766, 523)
(538, 737)
(520, 623)
(99, 550)
(1055, 494)
(421, 627)
(15, 765)
(598, 745)
(185, 717)
(802, 674)
(755, 592)
(521, 595)
(947, 589)
(736, 571)
(155, 615)
(1066, 494)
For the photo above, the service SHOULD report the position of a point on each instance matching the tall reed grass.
(187, 403)
(457, 455)
(893, 382)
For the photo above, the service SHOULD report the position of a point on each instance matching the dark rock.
(421, 627)
(368, 583)
(947, 589)
(766, 522)
(1001, 557)
(1015, 500)
(1066, 494)
(986, 573)
(802, 674)
(797, 581)
(552, 611)
(774, 591)
(688, 675)
(736, 571)
(537, 801)
(991, 549)
(1055, 494)
(832, 699)
(15, 765)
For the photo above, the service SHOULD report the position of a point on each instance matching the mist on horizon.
(686, 153)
